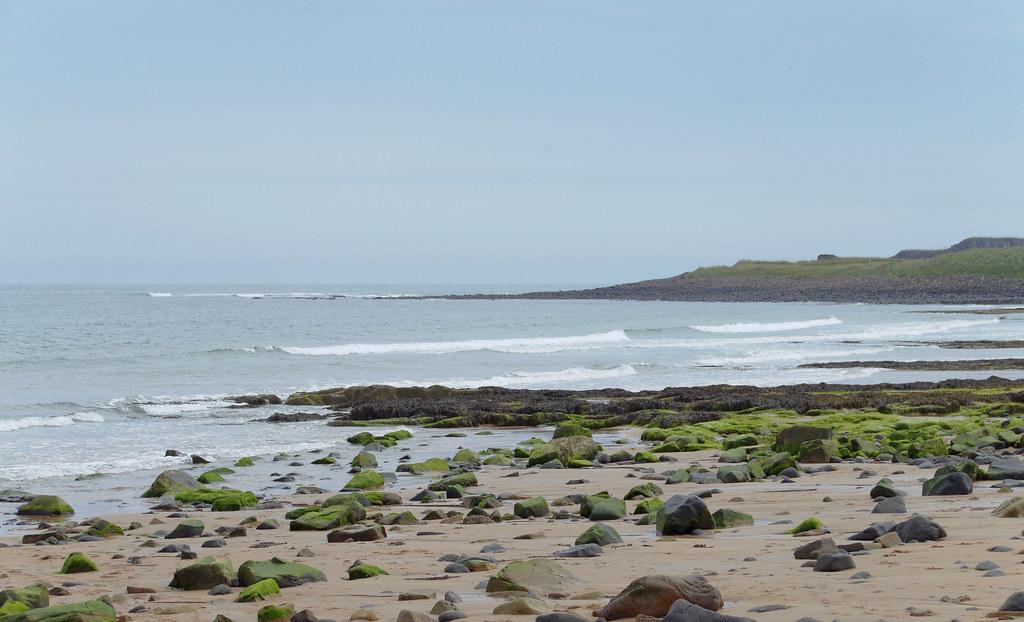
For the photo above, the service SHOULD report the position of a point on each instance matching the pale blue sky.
(497, 141)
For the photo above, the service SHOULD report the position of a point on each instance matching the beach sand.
(752, 566)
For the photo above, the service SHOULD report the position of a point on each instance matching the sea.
(97, 382)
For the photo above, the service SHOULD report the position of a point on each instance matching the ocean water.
(103, 379)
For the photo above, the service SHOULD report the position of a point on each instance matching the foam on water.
(60, 421)
(525, 345)
(766, 327)
(562, 377)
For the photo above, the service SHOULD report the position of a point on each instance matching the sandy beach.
(752, 566)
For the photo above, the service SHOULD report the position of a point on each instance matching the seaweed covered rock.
(78, 562)
(543, 575)
(45, 505)
(725, 518)
(459, 479)
(466, 456)
(682, 515)
(531, 508)
(884, 488)
(819, 451)
(260, 590)
(1011, 508)
(600, 534)
(275, 613)
(919, 528)
(188, 528)
(345, 513)
(33, 596)
(203, 575)
(360, 570)
(286, 574)
(364, 460)
(956, 483)
(646, 490)
(565, 450)
(365, 480)
(101, 528)
(564, 430)
(170, 481)
(790, 439)
(654, 595)
(98, 610)
(609, 508)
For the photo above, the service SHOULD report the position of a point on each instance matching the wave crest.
(522, 345)
(61, 421)
(766, 327)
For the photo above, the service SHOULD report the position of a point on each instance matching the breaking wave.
(60, 421)
(766, 327)
(526, 345)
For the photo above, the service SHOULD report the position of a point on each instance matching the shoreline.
(648, 439)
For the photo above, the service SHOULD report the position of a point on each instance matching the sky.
(497, 142)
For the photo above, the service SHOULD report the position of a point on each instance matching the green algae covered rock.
(682, 515)
(366, 480)
(542, 575)
(188, 528)
(259, 591)
(12, 606)
(565, 450)
(104, 529)
(222, 499)
(643, 491)
(45, 505)
(214, 475)
(808, 524)
(364, 460)
(571, 429)
(285, 574)
(78, 562)
(361, 438)
(170, 481)
(609, 508)
(819, 451)
(776, 463)
(431, 465)
(275, 613)
(359, 570)
(244, 461)
(98, 610)
(725, 518)
(729, 456)
(202, 575)
(33, 597)
(324, 460)
(459, 479)
(324, 519)
(733, 473)
(531, 508)
(497, 460)
(599, 533)
(740, 440)
(466, 456)
(645, 457)
(647, 506)
(790, 439)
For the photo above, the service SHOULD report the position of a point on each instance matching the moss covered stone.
(571, 429)
(33, 596)
(330, 518)
(459, 479)
(214, 476)
(188, 528)
(45, 505)
(643, 491)
(222, 499)
(610, 508)
(599, 533)
(365, 480)
(245, 461)
(98, 610)
(260, 590)
(285, 574)
(644, 457)
(104, 529)
(170, 481)
(364, 460)
(808, 524)
(725, 518)
(565, 450)
(275, 613)
(466, 456)
(78, 562)
(360, 570)
(542, 575)
(203, 575)
(531, 508)
(325, 460)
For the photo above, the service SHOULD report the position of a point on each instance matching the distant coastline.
(973, 271)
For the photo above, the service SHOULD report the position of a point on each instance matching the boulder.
(98, 610)
(600, 534)
(725, 518)
(366, 480)
(104, 529)
(565, 450)
(1005, 468)
(646, 490)
(1014, 603)
(884, 488)
(359, 570)
(610, 508)
(790, 439)
(364, 460)
(582, 550)
(78, 562)
(275, 613)
(260, 590)
(654, 595)
(522, 606)
(571, 429)
(33, 596)
(819, 451)
(531, 508)
(1011, 508)
(543, 575)
(170, 481)
(681, 515)
(203, 575)
(920, 529)
(956, 483)
(286, 574)
(358, 533)
(833, 561)
(345, 513)
(874, 531)
(188, 528)
(45, 505)
(890, 505)
(685, 611)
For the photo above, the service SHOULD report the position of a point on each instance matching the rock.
(582, 550)
(531, 508)
(1011, 508)
(98, 610)
(170, 481)
(812, 550)
(683, 611)
(285, 574)
(778, 462)
(366, 480)
(413, 616)
(450, 616)
(221, 589)
(344, 513)
(955, 483)
(45, 505)
(819, 451)
(648, 490)
(522, 606)
(1014, 603)
(104, 529)
(790, 439)
(725, 518)
(359, 570)
(890, 505)
(78, 562)
(33, 596)
(1005, 468)
(919, 528)
(653, 595)
(874, 531)
(260, 590)
(535, 574)
(609, 508)
(188, 528)
(884, 488)
(304, 616)
(275, 613)
(889, 540)
(833, 561)
(364, 460)
(203, 575)
(417, 595)
(600, 534)
(565, 450)
(358, 534)
(561, 616)
(681, 515)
